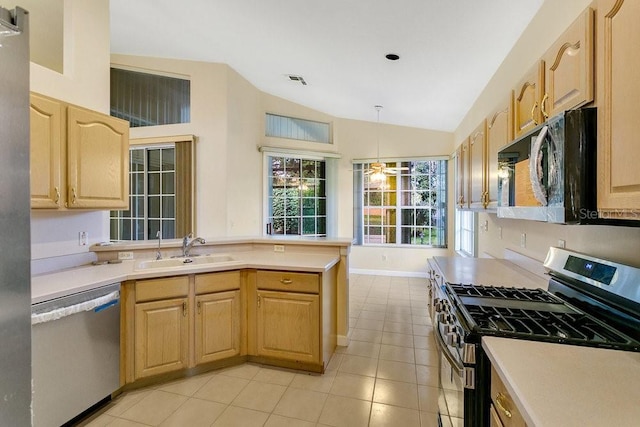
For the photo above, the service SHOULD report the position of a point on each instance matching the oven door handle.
(455, 364)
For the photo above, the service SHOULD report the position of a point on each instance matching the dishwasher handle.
(96, 305)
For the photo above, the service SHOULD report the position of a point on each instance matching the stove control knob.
(441, 305)
(453, 339)
(447, 329)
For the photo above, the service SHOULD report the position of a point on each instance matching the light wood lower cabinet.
(161, 337)
(288, 326)
(217, 326)
(292, 318)
(181, 322)
(503, 412)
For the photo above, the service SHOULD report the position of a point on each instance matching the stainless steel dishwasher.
(75, 353)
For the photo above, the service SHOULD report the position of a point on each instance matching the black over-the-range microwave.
(549, 174)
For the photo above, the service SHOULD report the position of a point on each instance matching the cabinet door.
(98, 160)
(499, 134)
(462, 175)
(569, 68)
(46, 140)
(288, 326)
(217, 326)
(494, 419)
(526, 103)
(477, 167)
(618, 90)
(161, 337)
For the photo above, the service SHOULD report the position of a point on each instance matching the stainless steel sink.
(182, 262)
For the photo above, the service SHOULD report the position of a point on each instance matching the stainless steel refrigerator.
(15, 236)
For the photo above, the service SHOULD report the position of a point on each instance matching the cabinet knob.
(57, 196)
(184, 308)
(286, 281)
(73, 195)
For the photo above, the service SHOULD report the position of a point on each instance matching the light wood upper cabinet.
(569, 67)
(618, 91)
(527, 98)
(477, 166)
(46, 140)
(79, 157)
(462, 175)
(499, 134)
(98, 160)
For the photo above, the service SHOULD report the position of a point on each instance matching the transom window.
(145, 99)
(405, 206)
(296, 196)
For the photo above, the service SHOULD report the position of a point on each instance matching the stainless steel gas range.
(590, 302)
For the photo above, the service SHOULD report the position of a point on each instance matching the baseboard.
(342, 341)
(388, 272)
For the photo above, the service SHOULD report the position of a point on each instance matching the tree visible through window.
(409, 207)
(297, 196)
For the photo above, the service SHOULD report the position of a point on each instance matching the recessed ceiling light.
(392, 57)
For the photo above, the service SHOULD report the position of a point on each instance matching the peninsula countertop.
(58, 284)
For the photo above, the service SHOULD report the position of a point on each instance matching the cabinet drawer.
(286, 281)
(503, 403)
(154, 289)
(217, 282)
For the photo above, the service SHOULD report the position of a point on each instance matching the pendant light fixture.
(378, 171)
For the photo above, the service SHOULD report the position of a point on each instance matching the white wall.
(359, 141)
(227, 117)
(85, 82)
(618, 243)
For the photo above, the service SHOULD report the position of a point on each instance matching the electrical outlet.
(523, 240)
(125, 255)
(384, 257)
(83, 238)
(500, 233)
(562, 244)
(485, 226)
(278, 248)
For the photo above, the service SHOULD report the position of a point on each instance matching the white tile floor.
(387, 376)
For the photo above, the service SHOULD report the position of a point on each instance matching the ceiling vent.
(295, 78)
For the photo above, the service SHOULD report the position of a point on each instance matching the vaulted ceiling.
(448, 49)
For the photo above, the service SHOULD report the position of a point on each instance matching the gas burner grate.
(501, 292)
(573, 327)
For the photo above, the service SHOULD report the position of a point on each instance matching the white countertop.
(566, 385)
(488, 271)
(55, 285)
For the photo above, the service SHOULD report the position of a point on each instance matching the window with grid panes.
(296, 196)
(152, 198)
(408, 207)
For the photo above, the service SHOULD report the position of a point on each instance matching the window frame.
(331, 160)
(184, 183)
(359, 166)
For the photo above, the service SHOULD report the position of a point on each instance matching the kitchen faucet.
(188, 241)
